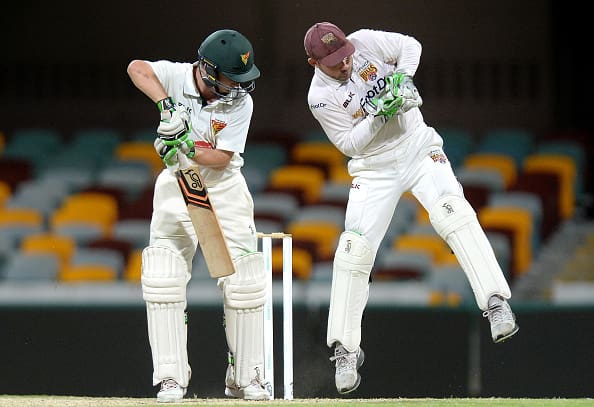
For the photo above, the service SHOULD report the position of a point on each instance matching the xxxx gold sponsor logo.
(369, 72)
(359, 113)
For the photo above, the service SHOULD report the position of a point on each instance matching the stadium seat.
(305, 181)
(438, 250)
(133, 269)
(514, 142)
(87, 273)
(519, 222)
(402, 265)
(28, 267)
(134, 231)
(302, 263)
(5, 192)
(321, 154)
(457, 144)
(502, 163)
(142, 151)
(62, 246)
(323, 234)
(449, 286)
(88, 207)
(562, 166)
(275, 205)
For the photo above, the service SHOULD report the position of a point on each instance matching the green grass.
(55, 401)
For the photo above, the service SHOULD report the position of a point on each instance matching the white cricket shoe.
(347, 363)
(501, 318)
(170, 392)
(256, 390)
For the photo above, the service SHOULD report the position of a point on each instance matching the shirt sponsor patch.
(438, 156)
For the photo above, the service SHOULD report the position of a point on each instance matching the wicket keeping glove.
(169, 149)
(175, 120)
(399, 96)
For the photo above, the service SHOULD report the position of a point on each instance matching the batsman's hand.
(175, 120)
(168, 150)
(399, 96)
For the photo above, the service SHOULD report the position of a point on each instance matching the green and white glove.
(399, 96)
(168, 149)
(175, 120)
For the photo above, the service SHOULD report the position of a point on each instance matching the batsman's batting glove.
(175, 120)
(169, 149)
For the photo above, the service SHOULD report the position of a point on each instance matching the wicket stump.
(287, 275)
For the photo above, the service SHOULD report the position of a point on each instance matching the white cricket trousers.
(172, 227)
(418, 164)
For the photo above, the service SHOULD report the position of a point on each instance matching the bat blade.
(205, 221)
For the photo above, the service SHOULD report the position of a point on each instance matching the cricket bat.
(205, 221)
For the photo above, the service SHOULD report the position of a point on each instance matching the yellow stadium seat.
(565, 168)
(5, 192)
(519, 222)
(319, 153)
(87, 207)
(62, 246)
(323, 234)
(87, 273)
(133, 270)
(20, 216)
(502, 163)
(339, 174)
(302, 263)
(140, 151)
(437, 248)
(308, 180)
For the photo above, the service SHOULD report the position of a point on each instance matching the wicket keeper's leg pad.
(350, 290)
(455, 221)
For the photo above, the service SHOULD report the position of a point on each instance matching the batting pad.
(455, 221)
(244, 294)
(164, 278)
(350, 290)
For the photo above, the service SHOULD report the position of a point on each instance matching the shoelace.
(257, 381)
(169, 384)
(344, 360)
(496, 313)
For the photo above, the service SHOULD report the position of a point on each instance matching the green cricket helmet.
(228, 52)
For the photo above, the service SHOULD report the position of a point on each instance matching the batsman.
(205, 112)
(362, 94)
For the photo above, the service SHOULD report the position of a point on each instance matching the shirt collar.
(328, 80)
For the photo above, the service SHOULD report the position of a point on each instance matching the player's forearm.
(144, 78)
(212, 158)
(352, 142)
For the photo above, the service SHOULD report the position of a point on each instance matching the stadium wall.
(411, 352)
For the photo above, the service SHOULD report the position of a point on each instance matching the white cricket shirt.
(221, 124)
(338, 106)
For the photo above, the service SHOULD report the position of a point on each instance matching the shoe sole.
(169, 399)
(505, 337)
